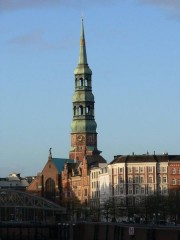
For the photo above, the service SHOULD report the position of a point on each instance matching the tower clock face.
(80, 138)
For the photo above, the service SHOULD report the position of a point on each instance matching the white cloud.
(171, 4)
(9, 5)
(36, 39)
(6, 5)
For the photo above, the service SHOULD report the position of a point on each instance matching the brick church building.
(67, 180)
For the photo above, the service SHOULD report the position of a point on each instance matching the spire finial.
(82, 55)
(50, 154)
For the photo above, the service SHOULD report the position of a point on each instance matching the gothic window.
(80, 82)
(50, 189)
(80, 110)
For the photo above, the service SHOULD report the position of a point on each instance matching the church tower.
(83, 126)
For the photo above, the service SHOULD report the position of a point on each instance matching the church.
(67, 181)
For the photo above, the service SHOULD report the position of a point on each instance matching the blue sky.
(133, 51)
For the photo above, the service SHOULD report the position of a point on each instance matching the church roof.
(94, 160)
(59, 163)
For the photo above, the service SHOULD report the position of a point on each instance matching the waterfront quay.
(88, 231)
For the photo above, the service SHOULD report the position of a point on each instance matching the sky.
(134, 54)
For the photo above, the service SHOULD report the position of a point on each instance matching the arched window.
(76, 82)
(74, 110)
(80, 110)
(50, 189)
(86, 82)
(87, 109)
(80, 82)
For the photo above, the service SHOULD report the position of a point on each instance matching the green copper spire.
(83, 125)
(82, 54)
(82, 67)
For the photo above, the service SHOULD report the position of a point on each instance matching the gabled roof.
(59, 163)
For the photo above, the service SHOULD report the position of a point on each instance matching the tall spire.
(83, 125)
(82, 66)
(82, 54)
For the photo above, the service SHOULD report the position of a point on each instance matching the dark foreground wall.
(87, 231)
(125, 232)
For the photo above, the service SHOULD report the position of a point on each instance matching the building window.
(179, 170)
(173, 171)
(129, 169)
(142, 190)
(121, 191)
(141, 169)
(80, 82)
(150, 169)
(87, 109)
(130, 179)
(80, 110)
(163, 170)
(121, 179)
(137, 190)
(141, 179)
(150, 179)
(121, 170)
(150, 189)
(50, 189)
(164, 190)
(136, 169)
(130, 191)
(164, 180)
(74, 110)
(136, 179)
(173, 181)
(178, 181)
